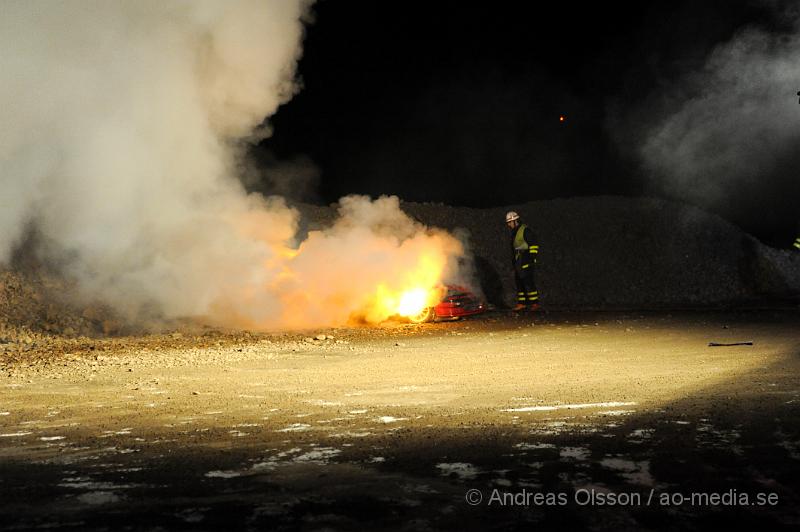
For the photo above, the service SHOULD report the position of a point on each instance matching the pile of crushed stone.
(35, 305)
(595, 253)
(617, 252)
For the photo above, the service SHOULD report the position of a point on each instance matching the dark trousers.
(526, 285)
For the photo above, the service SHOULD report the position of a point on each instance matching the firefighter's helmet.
(511, 216)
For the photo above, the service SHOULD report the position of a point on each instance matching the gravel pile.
(30, 305)
(601, 252)
(617, 252)
(35, 308)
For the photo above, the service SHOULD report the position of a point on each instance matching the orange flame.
(372, 264)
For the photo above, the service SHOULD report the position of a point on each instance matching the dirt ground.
(613, 420)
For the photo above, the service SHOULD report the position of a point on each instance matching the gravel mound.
(35, 305)
(617, 252)
(600, 252)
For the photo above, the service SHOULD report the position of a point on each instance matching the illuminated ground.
(390, 427)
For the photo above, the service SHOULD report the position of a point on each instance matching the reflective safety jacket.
(524, 247)
(797, 243)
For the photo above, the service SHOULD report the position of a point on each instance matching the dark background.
(456, 102)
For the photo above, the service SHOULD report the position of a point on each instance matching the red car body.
(456, 302)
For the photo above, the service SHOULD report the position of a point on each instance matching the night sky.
(457, 102)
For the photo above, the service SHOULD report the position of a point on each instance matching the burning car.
(456, 302)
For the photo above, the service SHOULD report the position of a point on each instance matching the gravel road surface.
(580, 420)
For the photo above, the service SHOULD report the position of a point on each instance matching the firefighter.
(524, 249)
(796, 243)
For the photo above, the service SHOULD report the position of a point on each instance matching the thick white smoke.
(119, 127)
(729, 126)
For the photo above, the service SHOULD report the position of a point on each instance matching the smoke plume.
(726, 136)
(119, 133)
